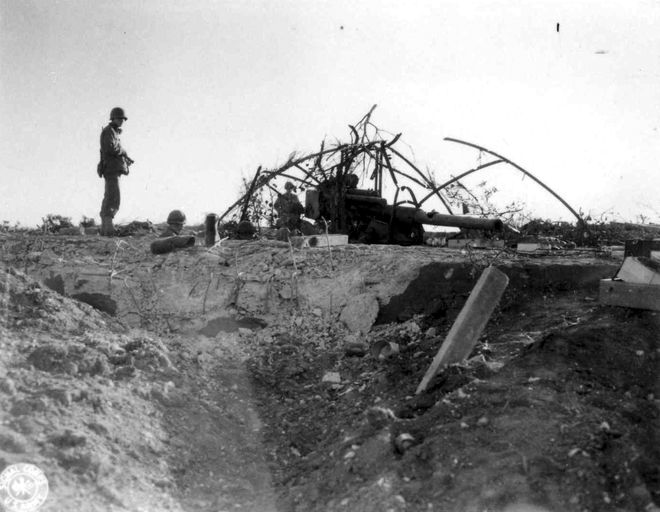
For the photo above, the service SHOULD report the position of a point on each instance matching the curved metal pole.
(412, 194)
(462, 175)
(526, 173)
(272, 174)
(428, 182)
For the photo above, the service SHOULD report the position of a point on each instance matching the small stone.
(360, 312)
(68, 439)
(63, 396)
(11, 441)
(483, 421)
(349, 455)
(317, 312)
(464, 425)
(244, 331)
(332, 378)
(286, 292)
(98, 428)
(100, 367)
(81, 462)
(431, 332)
(70, 368)
(124, 372)
(7, 386)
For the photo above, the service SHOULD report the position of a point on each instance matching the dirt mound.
(569, 422)
(105, 414)
(248, 392)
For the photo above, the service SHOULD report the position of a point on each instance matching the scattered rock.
(81, 461)
(61, 395)
(11, 441)
(49, 358)
(28, 406)
(379, 417)
(100, 367)
(332, 378)
(98, 428)
(286, 293)
(7, 386)
(360, 312)
(68, 439)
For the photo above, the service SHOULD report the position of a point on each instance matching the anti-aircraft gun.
(366, 217)
(345, 187)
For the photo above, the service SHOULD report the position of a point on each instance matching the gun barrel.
(409, 214)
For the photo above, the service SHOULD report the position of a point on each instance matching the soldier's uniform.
(289, 209)
(115, 162)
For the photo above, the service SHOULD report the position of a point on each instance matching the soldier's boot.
(107, 228)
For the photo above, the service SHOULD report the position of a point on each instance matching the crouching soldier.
(289, 209)
(175, 221)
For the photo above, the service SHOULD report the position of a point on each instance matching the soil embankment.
(196, 381)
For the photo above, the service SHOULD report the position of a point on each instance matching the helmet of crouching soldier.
(176, 217)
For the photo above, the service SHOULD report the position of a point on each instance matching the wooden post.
(469, 324)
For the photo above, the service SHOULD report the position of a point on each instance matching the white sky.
(212, 89)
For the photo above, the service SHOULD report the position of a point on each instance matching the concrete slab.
(629, 295)
(639, 270)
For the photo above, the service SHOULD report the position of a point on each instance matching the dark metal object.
(209, 231)
(641, 248)
(169, 244)
(367, 217)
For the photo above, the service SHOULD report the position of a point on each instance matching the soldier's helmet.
(118, 113)
(289, 186)
(176, 217)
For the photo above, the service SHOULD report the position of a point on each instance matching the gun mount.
(366, 217)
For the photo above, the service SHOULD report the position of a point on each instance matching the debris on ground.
(207, 387)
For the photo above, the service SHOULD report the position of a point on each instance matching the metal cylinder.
(169, 244)
(211, 220)
(409, 214)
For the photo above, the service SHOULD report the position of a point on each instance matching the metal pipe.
(410, 214)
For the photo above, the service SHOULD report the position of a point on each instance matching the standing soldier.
(114, 162)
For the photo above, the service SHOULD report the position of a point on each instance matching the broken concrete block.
(639, 270)
(469, 324)
(360, 312)
(534, 247)
(629, 295)
(319, 240)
